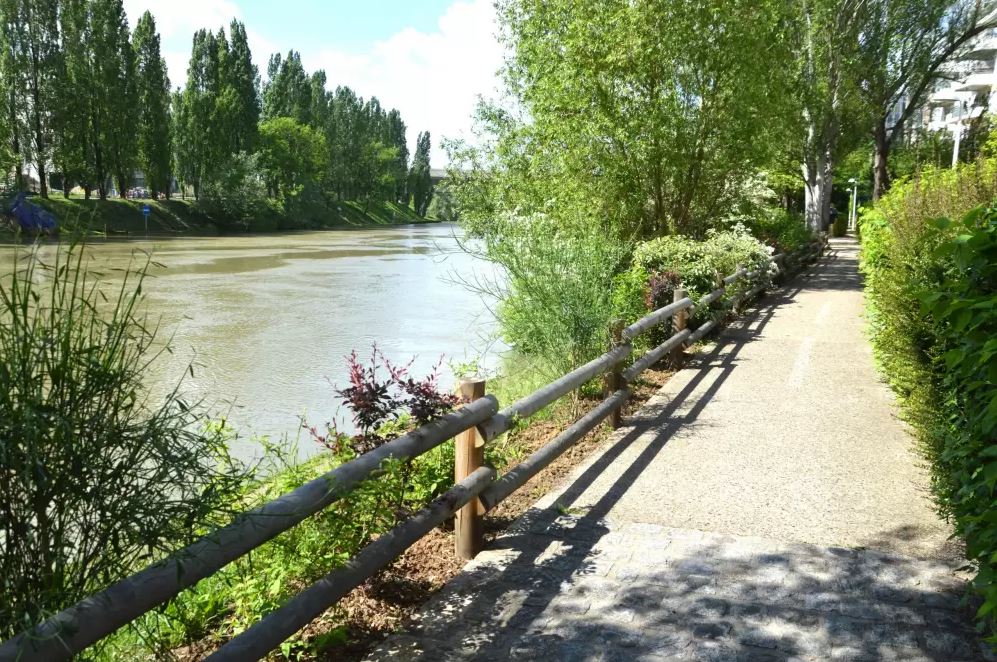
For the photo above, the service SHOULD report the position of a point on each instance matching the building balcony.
(984, 49)
(978, 82)
(947, 97)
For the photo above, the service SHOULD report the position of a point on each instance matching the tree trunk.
(16, 143)
(87, 189)
(880, 173)
(39, 138)
(811, 196)
(101, 175)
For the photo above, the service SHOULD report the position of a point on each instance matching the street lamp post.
(852, 218)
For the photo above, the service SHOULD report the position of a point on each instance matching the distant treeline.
(87, 102)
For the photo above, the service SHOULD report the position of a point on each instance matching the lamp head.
(852, 181)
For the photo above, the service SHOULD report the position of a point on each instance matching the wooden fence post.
(739, 300)
(679, 321)
(614, 377)
(469, 455)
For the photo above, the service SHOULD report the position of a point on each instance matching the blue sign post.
(146, 210)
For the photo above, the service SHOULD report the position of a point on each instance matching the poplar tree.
(31, 44)
(396, 139)
(195, 110)
(244, 79)
(420, 183)
(154, 107)
(113, 94)
(73, 149)
(185, 146)
(10, 67)
(288, 90)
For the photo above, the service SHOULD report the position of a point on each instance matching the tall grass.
(96, 479)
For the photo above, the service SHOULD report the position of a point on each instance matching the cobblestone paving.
(572, 590)
(765, 505)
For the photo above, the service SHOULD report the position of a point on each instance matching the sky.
(430, 59)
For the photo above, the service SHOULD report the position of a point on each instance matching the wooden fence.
(476, 491)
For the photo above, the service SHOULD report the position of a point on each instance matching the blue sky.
(428, 58)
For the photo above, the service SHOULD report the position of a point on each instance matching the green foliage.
(782, 230)
(443, 208)
(292, 156)
(235, 198)
(154, 107)
(640, 116)
(420, 184)
(555, 305)
(932, 291)
(698, 266)
(98, 478)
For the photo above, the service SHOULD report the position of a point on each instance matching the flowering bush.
(663, 264)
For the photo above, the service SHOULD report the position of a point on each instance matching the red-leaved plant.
(377, 400)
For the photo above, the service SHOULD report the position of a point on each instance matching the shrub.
(98, 479)
(931, 287)
(234, 197)
(782, 230)
(555, 306)
(663, 264)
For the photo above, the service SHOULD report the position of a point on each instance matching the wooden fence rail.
(476, 491)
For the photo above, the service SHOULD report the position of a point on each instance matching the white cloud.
(177, 21)
(433, 78)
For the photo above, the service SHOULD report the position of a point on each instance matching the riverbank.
(179, 217)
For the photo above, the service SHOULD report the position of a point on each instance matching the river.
(266, 320)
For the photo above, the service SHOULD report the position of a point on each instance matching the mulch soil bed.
(382, 604)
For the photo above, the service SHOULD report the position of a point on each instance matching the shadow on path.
(566, 585)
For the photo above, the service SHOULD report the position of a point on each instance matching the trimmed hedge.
(929, 254)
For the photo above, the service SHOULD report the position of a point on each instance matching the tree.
(420, 183)
(903, 44)
(32, 63)
(154, 107)
(642, 116)
(292, 156)
(73, 148)
(10, 68)
(396, 138)
(244, 79)
(288, 90)
(114, 96)
(186, 147)
(827, 63)
(198, 146)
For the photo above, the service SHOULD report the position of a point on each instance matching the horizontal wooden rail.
(542, 397)
(736, 276)
(655, 355)
(657, 317)
(516, 477)
(703, 329)
(267, 634)
(711, 297)
(73, 629)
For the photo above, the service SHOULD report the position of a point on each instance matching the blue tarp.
(30, 217)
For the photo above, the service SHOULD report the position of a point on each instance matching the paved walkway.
(766, 505)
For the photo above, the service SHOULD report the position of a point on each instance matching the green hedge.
(931, 284)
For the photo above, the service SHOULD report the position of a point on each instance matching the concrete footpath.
(765, 505)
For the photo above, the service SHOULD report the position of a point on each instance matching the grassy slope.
(180, 217)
